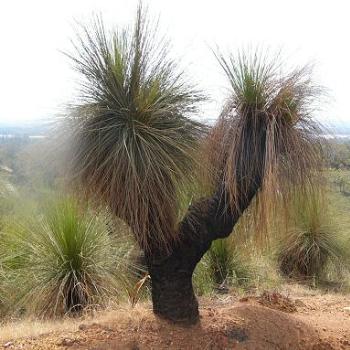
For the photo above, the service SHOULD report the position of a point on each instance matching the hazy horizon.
(38, 80)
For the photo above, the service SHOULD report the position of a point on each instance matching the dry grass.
(33, 327)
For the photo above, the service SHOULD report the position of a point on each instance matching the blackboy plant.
(64, 260)
(135, 147)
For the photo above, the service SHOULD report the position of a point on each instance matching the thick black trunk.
(172, 291)
(171, 274)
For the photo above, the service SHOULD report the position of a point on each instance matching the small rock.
(67, 342)
(83, 327)
(8, 344)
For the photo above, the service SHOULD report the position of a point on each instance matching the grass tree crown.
(266, 131)
(133, 141)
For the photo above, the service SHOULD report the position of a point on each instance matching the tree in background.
(136, 149)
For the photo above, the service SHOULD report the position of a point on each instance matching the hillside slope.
(270, 321)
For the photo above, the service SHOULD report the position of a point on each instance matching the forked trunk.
(171, 275)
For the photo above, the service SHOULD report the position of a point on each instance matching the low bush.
(64, 261)
(310, 242)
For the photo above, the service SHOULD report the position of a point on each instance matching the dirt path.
(271, 321)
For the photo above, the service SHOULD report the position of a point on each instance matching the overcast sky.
(37, 80)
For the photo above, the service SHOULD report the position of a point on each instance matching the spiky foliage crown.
(265, 133)
(133, 143)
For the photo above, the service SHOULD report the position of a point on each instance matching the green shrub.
(311, 241)
(227, 265)
(64, 261)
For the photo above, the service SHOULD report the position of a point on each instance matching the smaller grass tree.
(64, 260)
(135, 148)
(311, 241)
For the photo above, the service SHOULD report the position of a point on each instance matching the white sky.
(36, 80)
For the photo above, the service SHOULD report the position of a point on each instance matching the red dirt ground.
(268, 322)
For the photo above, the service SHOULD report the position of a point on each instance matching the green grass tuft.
(64, 261)
(227, 265)
(311, 242)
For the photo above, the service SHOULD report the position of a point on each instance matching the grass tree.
(63, 261)
(136, 148)
(311, 241)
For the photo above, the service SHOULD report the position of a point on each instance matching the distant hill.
(338, 127)
(42, 127)
(22, 129)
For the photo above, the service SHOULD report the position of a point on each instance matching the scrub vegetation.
(138, 195)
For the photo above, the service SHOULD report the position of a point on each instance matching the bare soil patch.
(267, 322)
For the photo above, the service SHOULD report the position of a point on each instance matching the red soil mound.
(253, 324)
